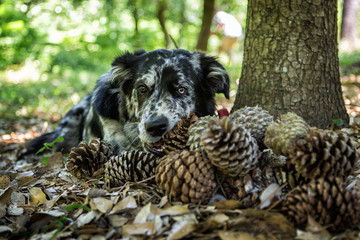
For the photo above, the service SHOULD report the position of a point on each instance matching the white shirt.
(231, 26)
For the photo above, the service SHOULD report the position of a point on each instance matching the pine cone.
(85, 159)
(254, 119)
(327, 202)
(230, 147)
(280, 136)
(177, 138)
(194, 141)
(131, 166)
(322, 154)
(185, 176)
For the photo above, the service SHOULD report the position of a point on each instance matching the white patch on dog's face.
(163, 91)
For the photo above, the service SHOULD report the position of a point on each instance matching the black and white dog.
(141, 98)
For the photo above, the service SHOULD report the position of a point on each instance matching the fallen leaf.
(173, 210)
(101, 204)
(55, 162)
(227, 204)
(37, 196)
(124, 205)
(271, 192)
(228, 235)
(4, 181)
(5, 229)
(146, 228)
(87, 218)
(146, 213)
(117, 220)
(54, 213)
(181, 229)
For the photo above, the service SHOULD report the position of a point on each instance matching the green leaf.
(44, 160)
(338, 122)
(73, 206)
(48, 146)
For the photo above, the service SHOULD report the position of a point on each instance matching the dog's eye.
(181, 90)
(142, 88)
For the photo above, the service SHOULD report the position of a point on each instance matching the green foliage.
(49, 146)
(58, 225)
(64, 46)
(77, 206)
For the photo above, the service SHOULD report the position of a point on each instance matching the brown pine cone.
(281, 135)
(130, 166)
(194, 141)
(177, 138)
(185, 176)
(327, 202)
(87, 158)
(254, 119)
(230, 147)
(322, 154)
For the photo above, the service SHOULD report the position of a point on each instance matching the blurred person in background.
(231, 31)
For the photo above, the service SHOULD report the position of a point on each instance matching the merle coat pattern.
(141, 98)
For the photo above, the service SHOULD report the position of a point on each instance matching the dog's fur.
(141, 98)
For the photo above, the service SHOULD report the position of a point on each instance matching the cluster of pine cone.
(306, 167)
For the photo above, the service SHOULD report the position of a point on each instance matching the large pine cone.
(177, 138)
(280, 136)
(327, 202)
(230, 147)
(132, 166)
(194, 141)
(254, 119)
(87, 158)
(322, 154)
(186, 176)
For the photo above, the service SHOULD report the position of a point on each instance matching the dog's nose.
(156, 126)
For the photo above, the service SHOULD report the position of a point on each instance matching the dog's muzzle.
(156, 127)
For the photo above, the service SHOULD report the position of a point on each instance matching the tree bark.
(161, 16)
(291, 60)
(349, 24)
(208, 14)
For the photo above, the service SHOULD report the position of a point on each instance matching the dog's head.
(154, 89)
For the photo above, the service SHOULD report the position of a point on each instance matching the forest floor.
(42, 201)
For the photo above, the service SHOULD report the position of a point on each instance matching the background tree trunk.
(204, 35)
(161, 16)
(349, 23)
(291, 60)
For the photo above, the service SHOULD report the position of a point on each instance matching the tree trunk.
(161, 16)
(208, 14)
(291, 60)
(349, 24)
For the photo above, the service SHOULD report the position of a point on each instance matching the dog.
(140, 98)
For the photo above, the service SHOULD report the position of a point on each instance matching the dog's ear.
(112, 86)
(121, 71)
(215, 77)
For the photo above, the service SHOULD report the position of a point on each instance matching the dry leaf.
(55, 162)
(146, 228)
(124, 205)
(87, 218)
(117, 220)
(101, 204)
(37, 196)
(4, 181)
(173, 210)
(227, 204)
(228, 235)
(268, 194)
(181, 229)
